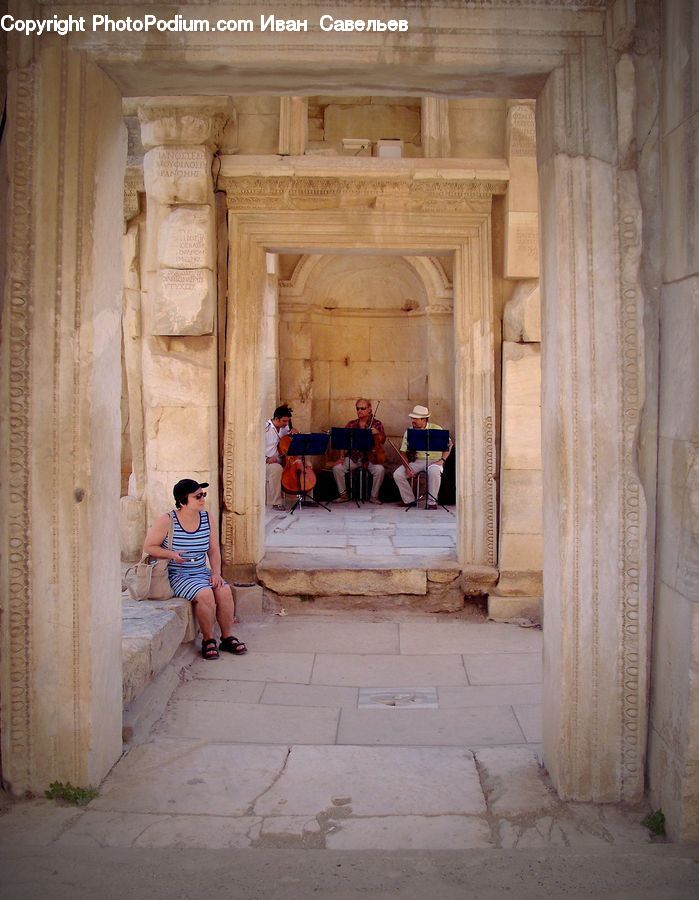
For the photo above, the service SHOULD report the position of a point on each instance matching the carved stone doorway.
(289, 218)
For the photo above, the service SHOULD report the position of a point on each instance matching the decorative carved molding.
(301, 192)
(17, 720)
(489, 456)
(632, 518)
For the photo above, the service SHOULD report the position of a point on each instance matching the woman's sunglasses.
(200, 495)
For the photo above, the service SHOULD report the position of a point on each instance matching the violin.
(297, 478)
(377, 456)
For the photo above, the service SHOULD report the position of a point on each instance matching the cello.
(298, 476)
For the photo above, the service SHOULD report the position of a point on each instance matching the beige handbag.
(148, 579)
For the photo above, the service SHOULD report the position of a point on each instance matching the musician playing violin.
(365, 419)
(435, 462)
(275, 428)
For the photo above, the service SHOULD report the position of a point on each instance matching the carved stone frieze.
(17, 645)
(633, 512)
(288, 192)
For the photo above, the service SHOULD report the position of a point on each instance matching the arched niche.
(366, 325)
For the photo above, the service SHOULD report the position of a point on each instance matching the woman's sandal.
(232, 645)
(208, 649)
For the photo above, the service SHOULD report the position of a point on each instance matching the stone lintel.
(490, 170)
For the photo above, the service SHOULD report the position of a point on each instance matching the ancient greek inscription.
(191, 249)
(177, 163)
(522, 132)
(527, 240)
(178, 282)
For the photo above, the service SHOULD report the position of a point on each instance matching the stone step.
(152, 632)
(291, 580)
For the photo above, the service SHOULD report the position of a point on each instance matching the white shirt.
(272, 436)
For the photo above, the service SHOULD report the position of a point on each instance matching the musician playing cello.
(275, 428)
(365, 419)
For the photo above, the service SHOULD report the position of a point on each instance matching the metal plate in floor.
(398, 698)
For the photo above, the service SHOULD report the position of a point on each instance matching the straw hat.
(420, 412)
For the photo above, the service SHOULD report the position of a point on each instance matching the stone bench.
(157, 645)
(152, 632)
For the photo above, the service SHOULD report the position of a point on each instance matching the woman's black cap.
(187, 486)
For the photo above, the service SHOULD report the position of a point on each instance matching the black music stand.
(351, 440)
(304, 445)
(425, 440)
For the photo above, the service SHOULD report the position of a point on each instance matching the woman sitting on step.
(192, 541)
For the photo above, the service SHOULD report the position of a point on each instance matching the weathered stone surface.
(185, 302)
(286, 580)
(522, 245)
(132, 527)
(513, 782)
(405, 832)
(478, 579)
(248, 602)
(375, 780)
(522, 317)
(185, 239)
(151, 635)
(178, 174)
(180, 445)
(509, 608)
(184, 120)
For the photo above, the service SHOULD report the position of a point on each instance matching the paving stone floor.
(341, 731)
(373, 536)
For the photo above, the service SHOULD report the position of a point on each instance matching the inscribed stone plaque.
(521, 131)
(522, 245)
(184, 302)
(184, 239)
(178, 174)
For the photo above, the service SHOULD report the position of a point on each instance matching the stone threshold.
(290, 580)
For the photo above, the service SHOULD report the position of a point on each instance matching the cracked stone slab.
(250, 723)
(36, 822)
(118, 829)
(188, 777)
(514, 782)
(375, 781)
(530, 718)
(409, 833)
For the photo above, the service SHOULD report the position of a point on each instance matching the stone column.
(595, 520)
(60, 675)
(435, 127)
(180, 373)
